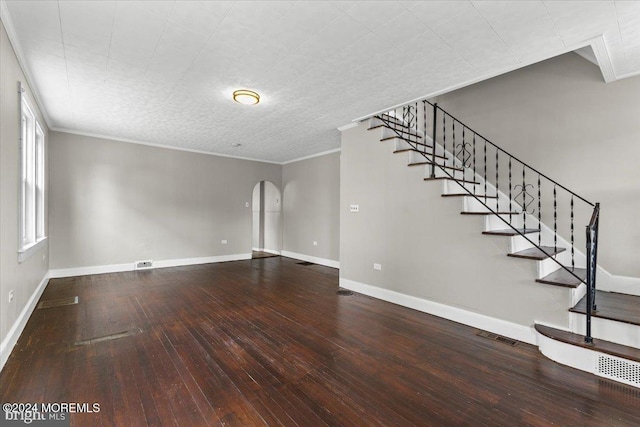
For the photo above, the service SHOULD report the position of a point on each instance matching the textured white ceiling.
(162, 72)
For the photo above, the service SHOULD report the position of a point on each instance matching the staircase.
(539, 217)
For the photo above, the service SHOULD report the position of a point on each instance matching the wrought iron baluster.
(539, 214)
(485, 168)
(415, 109)
(462, 152)
(573, 260)
(497, 178)
(524, 199)
(474, 164)
(433, 142)
(424, 131)
(510, 197)
(555, 219)
(453, 143)
(444, 135)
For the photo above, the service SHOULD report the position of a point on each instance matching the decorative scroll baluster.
(444, 136)
(433, 142)
(417, 120)
(485, 168)
(453, 143)
(424, 131)
(573, 260)
(474, 164)
(539, 214)
(555, 220)
(497, 179)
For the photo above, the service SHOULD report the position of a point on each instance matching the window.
(32, 197)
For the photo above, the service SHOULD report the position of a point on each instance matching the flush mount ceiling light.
(245, 96)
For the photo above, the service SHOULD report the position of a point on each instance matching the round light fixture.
(245, 96)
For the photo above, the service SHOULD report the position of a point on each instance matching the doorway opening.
(266, 216)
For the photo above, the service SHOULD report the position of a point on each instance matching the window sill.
(27, 251)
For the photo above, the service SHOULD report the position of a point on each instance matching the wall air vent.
(618, 369)
(143, 265)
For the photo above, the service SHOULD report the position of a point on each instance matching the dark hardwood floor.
(261, 254)
(268, 342)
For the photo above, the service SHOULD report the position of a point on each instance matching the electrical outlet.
(315, 243)
(377, 266)
(354, 208)
(11, 293)
(224, 242)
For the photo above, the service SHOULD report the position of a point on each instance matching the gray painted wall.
(23, 277)
(426, 248)
(311, 198)
(113, 202)
(560, 117)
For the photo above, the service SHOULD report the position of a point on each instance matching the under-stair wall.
(431, 256)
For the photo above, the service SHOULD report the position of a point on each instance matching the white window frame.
(31, 215)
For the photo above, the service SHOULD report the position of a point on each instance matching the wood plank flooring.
(268, 342)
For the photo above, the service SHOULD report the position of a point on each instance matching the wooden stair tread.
(464, 181)
(409, 140)
(401, 134)
(511, 232)
(613, 306)
(403, 150)
(537, 253)
(607, 347)
(479, 196)
(562, 277)
(426, 162)
(489, 213)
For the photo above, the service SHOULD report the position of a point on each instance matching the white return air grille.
(618, 369)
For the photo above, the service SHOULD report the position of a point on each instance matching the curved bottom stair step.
(613, 306)
(602, 346)
(562, 277)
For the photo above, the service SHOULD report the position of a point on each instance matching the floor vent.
(111, 337)
(619, 369)
(305, 263)
(61, 302)
(344, 292)
(496, 337)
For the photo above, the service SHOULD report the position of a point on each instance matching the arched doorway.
(266, 216)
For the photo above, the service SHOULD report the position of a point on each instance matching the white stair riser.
(610, 330)
(519, 243)
(471, 204)
(493, 222)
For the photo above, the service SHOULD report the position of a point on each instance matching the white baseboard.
(269, 251)
(115, 268)
(18, 326)
(476, 320)
(313, 259)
